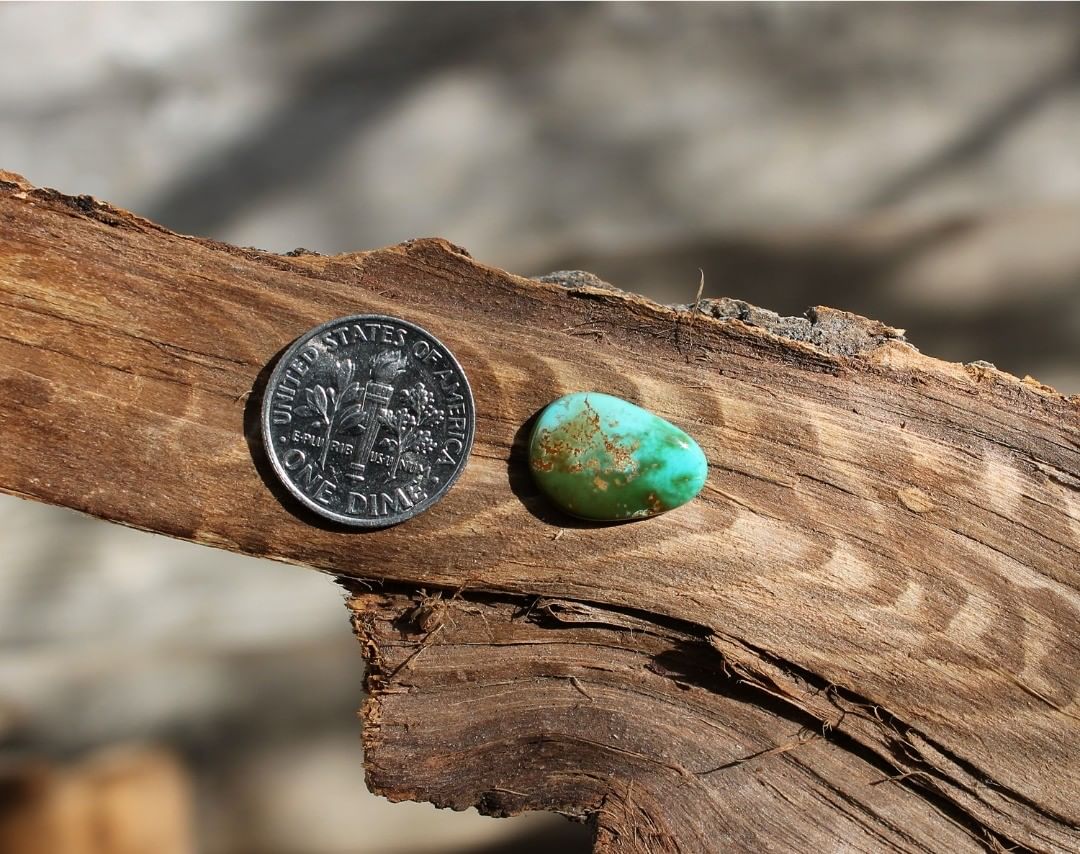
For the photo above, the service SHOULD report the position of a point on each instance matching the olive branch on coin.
(343, 406)
(326, 402)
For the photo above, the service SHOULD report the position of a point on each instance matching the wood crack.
(897, 733)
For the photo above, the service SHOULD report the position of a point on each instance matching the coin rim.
(357, 521)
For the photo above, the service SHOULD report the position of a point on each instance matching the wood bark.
(863, 635)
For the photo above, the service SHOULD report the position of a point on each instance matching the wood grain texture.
(886, 556)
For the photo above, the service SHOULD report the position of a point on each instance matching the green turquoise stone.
(603, 458)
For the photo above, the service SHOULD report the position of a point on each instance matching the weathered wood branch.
(866, 631)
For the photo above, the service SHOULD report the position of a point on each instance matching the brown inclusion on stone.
(603, 458)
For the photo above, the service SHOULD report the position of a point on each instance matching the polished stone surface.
(603, 458)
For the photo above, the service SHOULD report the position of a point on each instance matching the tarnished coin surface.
(368, 420)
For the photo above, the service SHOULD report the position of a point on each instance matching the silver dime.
(368, 420)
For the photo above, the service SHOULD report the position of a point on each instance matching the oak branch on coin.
(862, 635)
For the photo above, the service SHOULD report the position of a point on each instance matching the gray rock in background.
(916, 163)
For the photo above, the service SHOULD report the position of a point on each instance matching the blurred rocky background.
(915, 163)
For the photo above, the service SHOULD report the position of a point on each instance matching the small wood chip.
(915, 500)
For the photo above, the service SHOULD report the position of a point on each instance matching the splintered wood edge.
(644, 729)
(806, 648)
